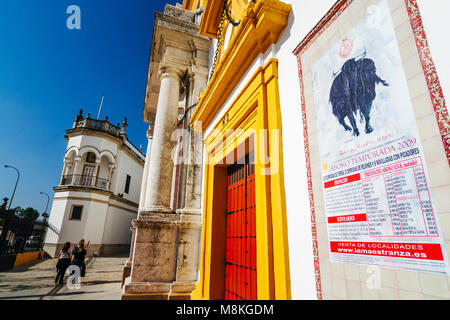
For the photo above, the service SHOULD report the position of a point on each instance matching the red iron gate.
(240, 260)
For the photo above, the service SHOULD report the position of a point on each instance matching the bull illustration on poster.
(353, 91)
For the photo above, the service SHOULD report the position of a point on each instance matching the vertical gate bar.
(227, 248)
(232, 237)
(247, 248)
(241, 213)
(255, 282)
(231, 242)
(238, 242)
(234, 245)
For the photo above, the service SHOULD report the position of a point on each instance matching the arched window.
(90, 157)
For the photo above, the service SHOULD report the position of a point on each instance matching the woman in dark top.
(79, 254)
(63, 263)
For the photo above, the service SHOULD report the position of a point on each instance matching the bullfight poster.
(378, 201)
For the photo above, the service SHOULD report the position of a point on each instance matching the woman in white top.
(64, 262)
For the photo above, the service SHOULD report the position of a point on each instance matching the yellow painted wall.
(254, 122)
(23, 258)
(192, 5)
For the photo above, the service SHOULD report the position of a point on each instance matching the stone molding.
(89, 190)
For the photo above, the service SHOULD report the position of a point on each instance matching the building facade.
(325, 146)
(98, 194)
(326, 150)
(164, 258)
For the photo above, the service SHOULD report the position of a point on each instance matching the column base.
(181, 290)
(148, 211)
(126, 272)
(158, 291)
(190, 215)
(165, 261)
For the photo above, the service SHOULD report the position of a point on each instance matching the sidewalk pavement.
(36, 281)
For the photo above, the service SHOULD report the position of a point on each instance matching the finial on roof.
(123, 132)
(78, 118)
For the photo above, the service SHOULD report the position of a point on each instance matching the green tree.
(28, 213)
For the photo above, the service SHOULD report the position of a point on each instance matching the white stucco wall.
(304, 16)
(90, 227)
(118, 224)
(127, 166)
(100, 222)
(56, 218)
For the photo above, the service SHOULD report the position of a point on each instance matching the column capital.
(150, 133)
(168, 71)
(151, 128)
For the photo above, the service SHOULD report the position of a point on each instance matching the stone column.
(159, 186)
(76, 169)
(96, 172)
(146, 168)
(66, 168)
(111, 170)
(155, 247)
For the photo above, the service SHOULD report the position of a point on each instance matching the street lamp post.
(45, 220)
(17, 181)
(48, 199)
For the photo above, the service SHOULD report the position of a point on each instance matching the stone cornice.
(125, 201)
(82, 189)
(96, 191)
(261, 25)
(174, 32)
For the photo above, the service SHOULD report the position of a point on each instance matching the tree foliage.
(28, 213)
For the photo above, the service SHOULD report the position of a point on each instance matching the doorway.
(240, 259)
(88, 176)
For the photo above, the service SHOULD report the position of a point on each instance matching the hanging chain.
(233, 23)
(225, 13)
(219, 39)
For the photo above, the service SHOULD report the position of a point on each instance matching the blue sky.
(48, 73)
